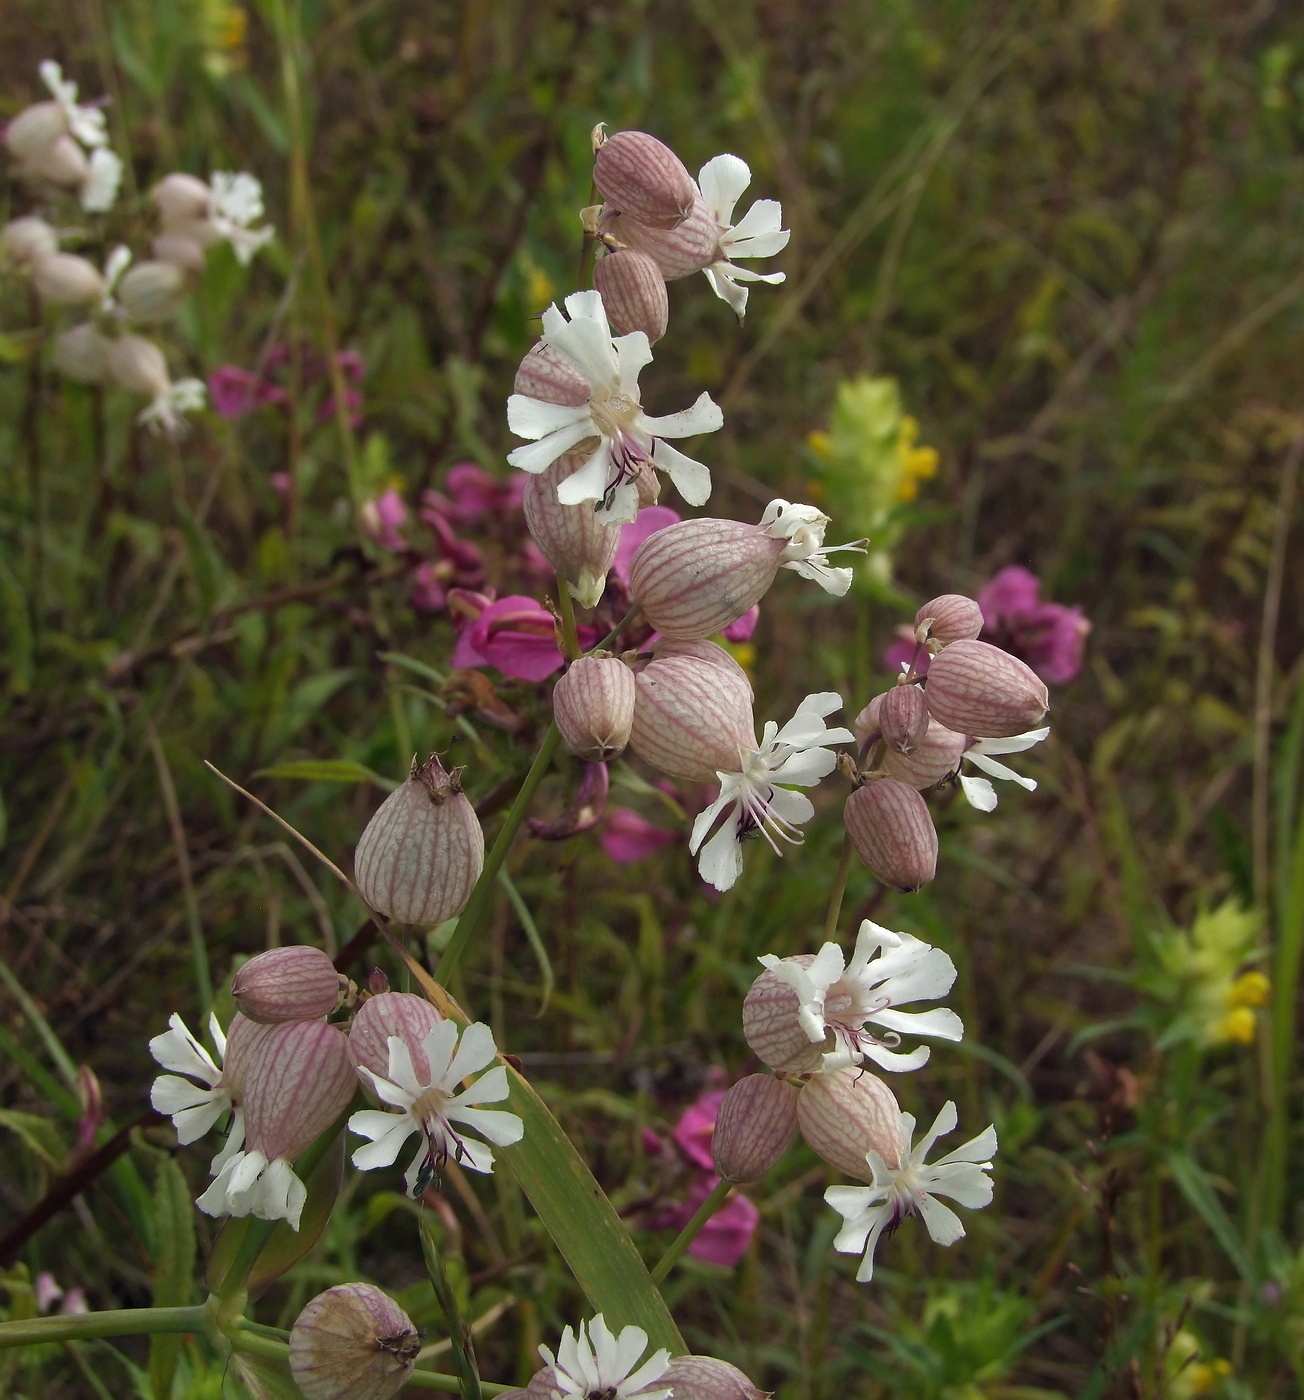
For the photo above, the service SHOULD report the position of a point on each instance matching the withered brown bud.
(421, 854)
(977, 689)
(754, 1127)
(903, 718)
(633, 293)
(593, 704)
(892, 832)
(950, 618)
(644, 178)
(352, 1342)
(847, 1113)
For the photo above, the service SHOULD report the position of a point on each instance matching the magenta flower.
(903, 650)
(725, 1237)
(1048, 636)
(515, 635)
(474, 494)
(429, 590)
(694, 1130)
(741, 631)
(584, 810)
(647, 522)
(627, 837)
(235, 391)
(383, 518)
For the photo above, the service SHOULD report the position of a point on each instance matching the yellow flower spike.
(819, 442)
(539, 288)
(1238, 1025)
(1250, 989)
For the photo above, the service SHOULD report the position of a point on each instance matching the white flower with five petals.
(85, 123)
(978, 791)
(887, 970)
(806, 553)
(194, 1107)
(756, 235)
(912, 1189)
(759, 791)
(431, 1109)
(599, 1363)
(236, 201)
(629, 440)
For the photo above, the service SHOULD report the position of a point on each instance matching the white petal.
(721, 861)
(502, 1129)
(387, 1139)
(898, 1063)
(965, 1182)
(722, 181)
(834, 580)
(705, 820)
(691, 479)
(764, 217)
(978, 792)
(1016, 744)
(633, 352)
(590, 482)
(805, 769)
(944, 1123)
(999, 770)
(727, 287)
(941, 1022)
(192, 1123)
(851, 1202)
(178, 1050)
(539, 456)
(473, 1154)
(489, 1088)
(440, 1046)
(652, 1369)
(979, 1149)
(622, 508)
(534, 418)
(794, 807)
(705, 416)
(734, 273)
(923, 978)
(171, 1094)
(943, 1223)
(234, 1142)
(474, 1052)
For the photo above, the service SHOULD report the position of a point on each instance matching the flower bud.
(352, 1342)
(701, 649)
(692, 717)
(706, 1378)
(754, 1127)
(633, 293)
(696, 577)
(891, 831)
(25, 241)
(288, 984)
(64, 279)
(544, 374)
(847, 1113)
(950, 618)
(903, 718)
(180, 250)
(82, 353)
(421, 854)
(934, 759)
(35, 129)
(181, 199)
(409, 1017)
(645, 179)
(298, 1080)
(980, 690)
(574, 541)
(593, 704)
(678, 252)
(772, 1026)
(62, 163)
(241, 1037)
(137, 364)
(151, 291)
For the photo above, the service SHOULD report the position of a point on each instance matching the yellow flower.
(819, 443)
(1238, 1025)
(1250, 989)
(539, 289)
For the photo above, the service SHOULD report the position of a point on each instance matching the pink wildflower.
(515, 635)
(627, 837)
(235, 391)
(695, 1127)
(383, 518)
(1048, 636)
(741, 631)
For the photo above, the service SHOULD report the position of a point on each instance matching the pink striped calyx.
(593, 704)
(977, 689)
(298, 1080)
(846, 1114)
(574, 541)
(903, 718)
(549, 376)
(772, 1023)
(633, 293)
(410, 1018)
(934, 758)
(352, 1342)
(422, 852)
(678, 252)
(949, 618)
(754, 1127)
(891, 831)
(708, 1378)
(645, 179)
(693, 714)
(288, 984)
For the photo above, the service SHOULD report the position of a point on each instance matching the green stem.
(618, 628)
(477, 907)
(690, 1231)
(119, 1322)
(459, 1334)
(838, 890)
(570, 638)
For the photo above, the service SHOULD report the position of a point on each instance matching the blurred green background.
(1071, 232)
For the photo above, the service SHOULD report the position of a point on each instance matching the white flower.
(756, 235)
(601, 1364)
(629, 440)
(103, 176)
(194, 1108)
(248, 1184)
(979, 792)
(118, 261)
(167, 412)
(85, 123)
(237, 200)
(805, 553)
(430, 1109)
(867, 991)
(911, 1189)
(758, 792)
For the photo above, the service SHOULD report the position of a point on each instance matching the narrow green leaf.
(174, 1267)
(1194, 1184)
(38, 1135)
(327, 770)
(418, 668)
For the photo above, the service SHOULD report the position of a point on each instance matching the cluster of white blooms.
(60, 147)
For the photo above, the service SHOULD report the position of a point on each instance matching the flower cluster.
(60, 147)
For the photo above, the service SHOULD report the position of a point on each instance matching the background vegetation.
(1071, 231)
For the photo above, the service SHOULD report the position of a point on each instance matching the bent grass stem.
(691, 1231)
